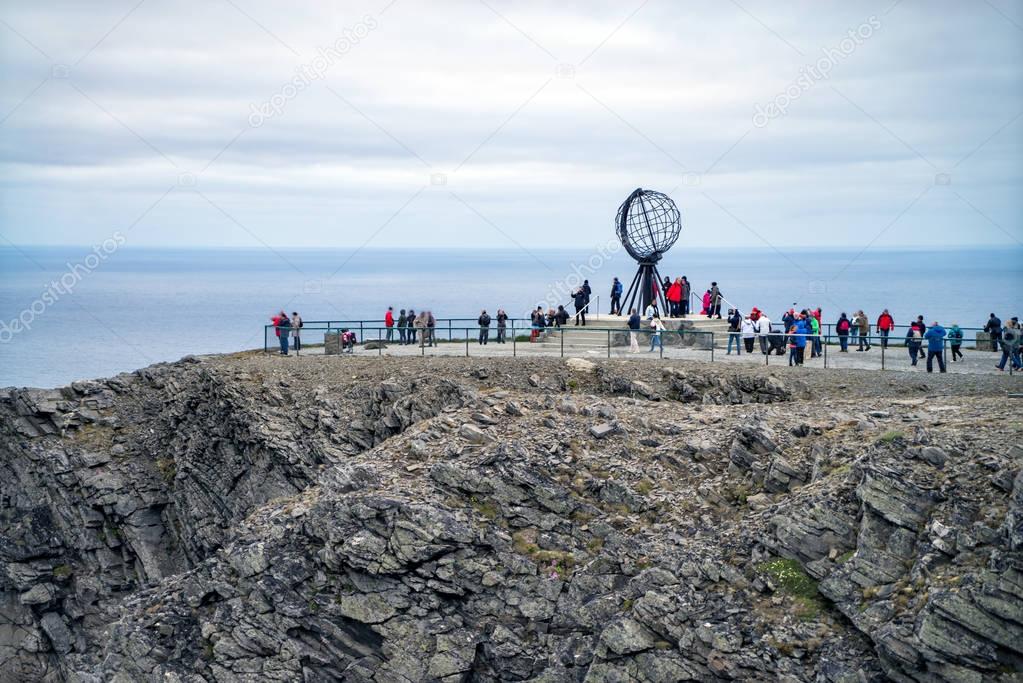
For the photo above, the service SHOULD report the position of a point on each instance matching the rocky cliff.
(283, 519)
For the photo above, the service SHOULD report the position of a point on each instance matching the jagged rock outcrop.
(254, 519)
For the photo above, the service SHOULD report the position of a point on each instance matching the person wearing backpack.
(955, 340)
(484, 323)
(410, 323)
(842, 328)
(914, 340)
(1010, 340)
(734, 331)
(616, 297)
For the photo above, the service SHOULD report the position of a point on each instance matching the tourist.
(885, 324)
(651, 311)
(420, 329)
(955, 340)
(735, 328)
(550, 317)
(788, 319)
(655, 339)
(579, 298)
(842, 327)
(431, 327)
(803, 331)
(413, 328)
(484, 323)
(587, 291)
(1009, 338)
(686, 293)
(914, 340)
(616, 297)
(347, 341)
(561, 317)
(674, 296)
(282, 327)
(715, 301)
(815, 330)
(764, 332)
(535, 324)
(818, 344)
(862, 325)
(633, 331)
(749, 333)
(935, 346)
(502, 325)
(796, 344)
(706, 304)
(296, 326)
(994, 329)
(389, 323)
(922, 329)
(402, 323)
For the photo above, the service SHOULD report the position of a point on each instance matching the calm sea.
(123, 308)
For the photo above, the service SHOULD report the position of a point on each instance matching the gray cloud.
(541, 118)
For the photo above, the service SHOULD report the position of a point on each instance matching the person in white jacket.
(763, 327)
(749, 333)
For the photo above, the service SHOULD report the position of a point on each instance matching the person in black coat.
(581, 300)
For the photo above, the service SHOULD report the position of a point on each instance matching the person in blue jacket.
(935, 337)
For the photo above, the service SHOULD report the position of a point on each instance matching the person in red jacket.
(885, 324)
(674, 296)
(389, 322)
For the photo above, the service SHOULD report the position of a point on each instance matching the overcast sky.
(494, 123)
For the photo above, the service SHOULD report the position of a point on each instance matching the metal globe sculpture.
(648, 224)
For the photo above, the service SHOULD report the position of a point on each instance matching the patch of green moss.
(891, 436)
(792, 580)
(62, 571)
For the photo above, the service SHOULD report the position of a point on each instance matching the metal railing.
(610, 342)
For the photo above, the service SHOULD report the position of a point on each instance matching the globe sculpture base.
(646, 289)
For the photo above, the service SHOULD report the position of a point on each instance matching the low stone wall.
(332, 343)
(984, 342)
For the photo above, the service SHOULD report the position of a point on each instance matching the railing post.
(944, 353)
(514, 342)
(660, 345)
(827, 339)
(450, 332)
(266, 335)
(362, 333)
(882, 355)
(609, 342)
(467, 342)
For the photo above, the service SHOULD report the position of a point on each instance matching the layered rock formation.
(253, 519)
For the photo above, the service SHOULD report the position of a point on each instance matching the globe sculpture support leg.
(643, 288)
